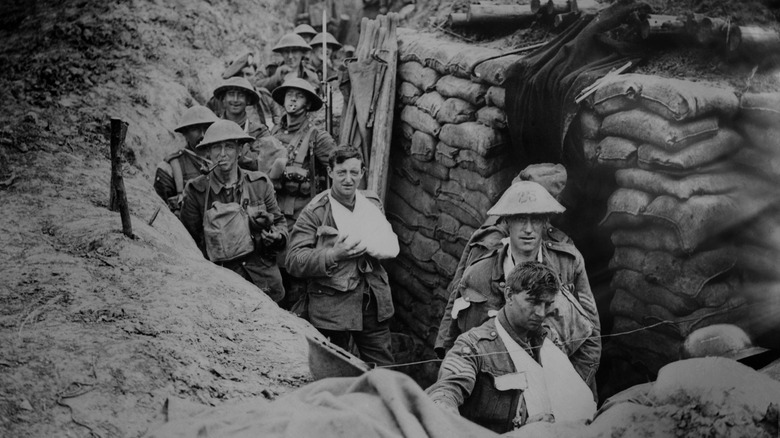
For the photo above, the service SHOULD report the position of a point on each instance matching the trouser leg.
(373, 342)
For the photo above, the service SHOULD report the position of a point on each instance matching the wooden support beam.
(118, 195)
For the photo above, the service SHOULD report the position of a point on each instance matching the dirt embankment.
(101, 334)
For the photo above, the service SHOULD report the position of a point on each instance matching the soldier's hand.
(269, 237)
(283, 70)
(346, 248)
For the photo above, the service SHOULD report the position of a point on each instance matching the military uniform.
(351, 295)
(575, 324)
(259, 266)
(271, 81)
(183, 162)
(467, 378)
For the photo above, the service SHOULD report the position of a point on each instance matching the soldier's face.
(292, 57)
(248, 71)
(295, 101)
(235, 102)
(224, 154)
(526, 312)
(346, 177)
(525, 233)
(194, 134)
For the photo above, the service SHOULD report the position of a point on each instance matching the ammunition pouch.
(296, 180)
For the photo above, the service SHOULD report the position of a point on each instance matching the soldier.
(177, 169)
(293, 49)
(305, 31)
(525, 208)
(506, 372)
(232, 214)
(331, 47)
(300, 175)
(336, 246)
(235, 94)
(265, 111)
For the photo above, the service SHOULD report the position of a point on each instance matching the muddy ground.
(102, 334)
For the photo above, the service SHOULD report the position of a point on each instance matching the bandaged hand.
(347, 247)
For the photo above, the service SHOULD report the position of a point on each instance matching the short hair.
(342, 154)
(536, 278)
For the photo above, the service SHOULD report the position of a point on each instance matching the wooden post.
(385, 108)
(118, 197)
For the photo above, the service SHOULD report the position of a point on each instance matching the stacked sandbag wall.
(694, 219)
(449, 163)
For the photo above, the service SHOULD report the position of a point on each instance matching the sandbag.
(446, 263)
(625, 208)
(759, 262)
(648, 346)
(688, 275)
(683, 187)
(422, 77)
(423, 248)
(448, 226)
(405, 235)
(431, 103)
(407, 130)
(635, 284)
(760, 108)
(446, 154)
(457, 190)
(651, 128)
(590, 150)
(762, 137)
(430, 168)
(590, 123)
(427, 279)
(416, 198)
(420, 120)
(628, 257)
(492, 117)
(706, 151)
(672, 99)
(473, 136)
(445, 56)
(495, 96)
(654, 237)
(492, 186)
(493, 71)
(450, 86)
(485, 167)
(759, 162)
(616, 152)
(397, 209)
(423, 146)
(408, 93)
(454, 110)
(455, 248)
(399, 274)
(700, 218)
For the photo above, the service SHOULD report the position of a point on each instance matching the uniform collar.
(217, 186)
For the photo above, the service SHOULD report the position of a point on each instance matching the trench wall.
(686, 186)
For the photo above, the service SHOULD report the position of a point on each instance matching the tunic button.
(466, 299)
(549, 230)
(549, 244)
(501, 284)
(492, 333)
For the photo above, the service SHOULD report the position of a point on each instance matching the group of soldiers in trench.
(519, 337)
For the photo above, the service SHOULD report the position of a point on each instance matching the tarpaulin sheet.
(380, 403)
(541, 88)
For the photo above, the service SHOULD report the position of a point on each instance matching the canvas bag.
(226, 229)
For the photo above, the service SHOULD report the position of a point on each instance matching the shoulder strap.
(178, 176)
(303, 147)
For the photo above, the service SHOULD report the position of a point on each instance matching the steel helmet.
(224, 130)
(291, 41)
(526, 197)
(724, 340)
(239, 83)
(235, 67)
(304, 29)
(551, 176)
(329, 40)
(196, 115)
(300, 84)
